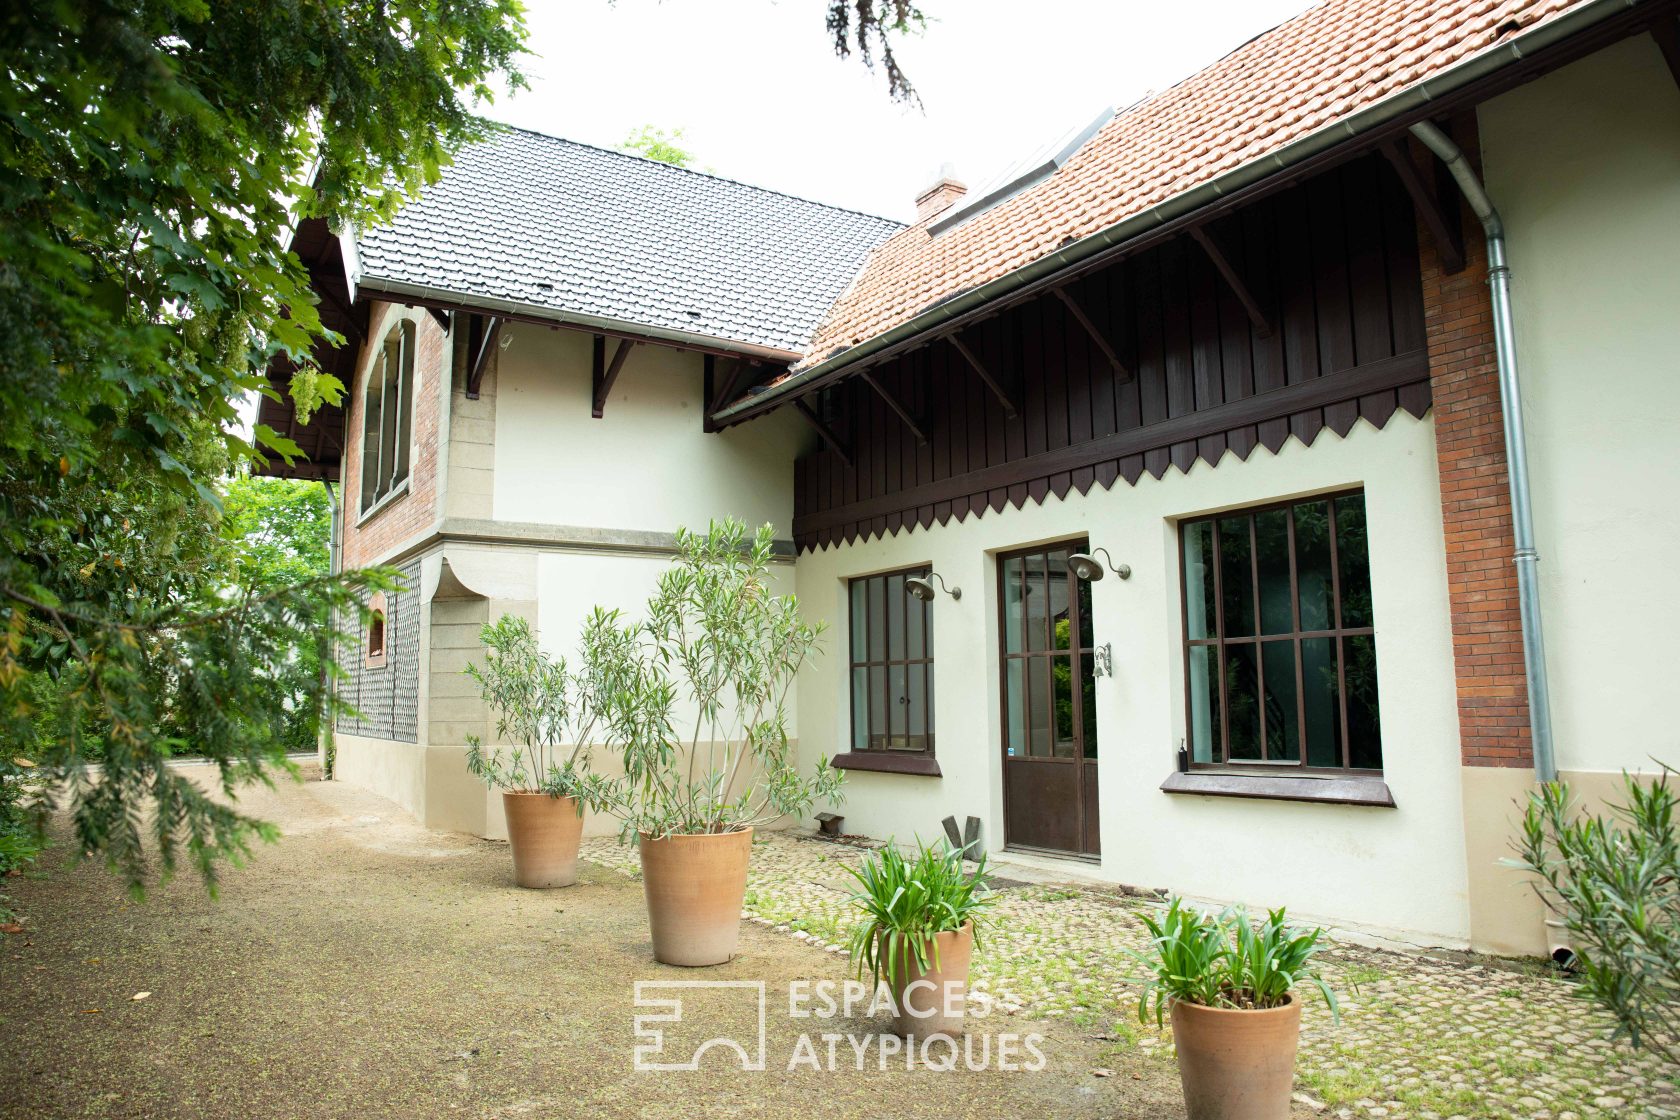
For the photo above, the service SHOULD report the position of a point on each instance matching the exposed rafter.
(605, 377)
(480, 346)
(1097, 336)
(834, 442)
(742, 372)
(350, 316)
(1204, 237)
(1448, 238)
(1010, 408)
(897, 406)
(1666, 31)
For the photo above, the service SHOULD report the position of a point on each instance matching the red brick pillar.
(1475, 495)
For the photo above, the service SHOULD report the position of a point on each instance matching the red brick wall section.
(414, 513)
(1475, 496)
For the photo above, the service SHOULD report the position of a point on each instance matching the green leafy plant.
(547, 713)
(1615, 881)
(657, 144)
(155, 156)
(905, 903)
(22, 821)
(701, 687)
(1226, 960)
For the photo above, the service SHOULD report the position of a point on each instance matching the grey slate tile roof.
(567, 227)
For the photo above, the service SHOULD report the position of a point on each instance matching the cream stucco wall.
(1584, 166)
(647, 464)
(1398, 872)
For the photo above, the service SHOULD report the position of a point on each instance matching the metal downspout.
(1516, 452)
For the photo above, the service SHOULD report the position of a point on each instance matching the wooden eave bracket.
(742, 373)
(1010, 408)
(834, 442)
(1449, 240)
(606, 373)
(916, 426)
(1097, 336)
(1222, 263)
(440, 316)
(481, 342)
(1666, 31)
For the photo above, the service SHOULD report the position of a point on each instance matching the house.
(1209, 416)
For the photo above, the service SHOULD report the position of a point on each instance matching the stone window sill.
(1278, 787)
(398, 491)
(888, 763)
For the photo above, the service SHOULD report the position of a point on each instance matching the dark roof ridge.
(693, 171)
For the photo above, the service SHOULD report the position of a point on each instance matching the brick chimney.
(941, 196)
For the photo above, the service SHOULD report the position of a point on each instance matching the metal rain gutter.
(1406, 101)
(1516, 447)
(396, 290)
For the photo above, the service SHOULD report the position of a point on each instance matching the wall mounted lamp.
(923, 588)
(1086, 566)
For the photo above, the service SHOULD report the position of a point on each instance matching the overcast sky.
(762, 97)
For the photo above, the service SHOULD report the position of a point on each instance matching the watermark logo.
(835, 1009)
(651, 1038)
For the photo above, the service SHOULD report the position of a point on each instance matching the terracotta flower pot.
(1236, 1065)
(543, 832)
(931, 1002)
(694, 887)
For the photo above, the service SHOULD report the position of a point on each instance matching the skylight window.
(1021, 174)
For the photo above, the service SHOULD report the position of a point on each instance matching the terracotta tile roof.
(1331, 61)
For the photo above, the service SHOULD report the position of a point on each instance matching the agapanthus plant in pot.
(920, 927)
(548, 720)
(703, 734)
(1228, 983)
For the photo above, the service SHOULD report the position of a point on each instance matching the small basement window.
(376, 631)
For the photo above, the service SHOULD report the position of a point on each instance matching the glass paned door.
(1049, 703)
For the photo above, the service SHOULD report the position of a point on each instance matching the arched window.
(378, 634)
(387, 405)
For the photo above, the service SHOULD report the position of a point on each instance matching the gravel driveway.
(365, 967)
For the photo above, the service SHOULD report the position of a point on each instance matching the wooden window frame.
(376, 655)
(887, 758)
(390, 478)
(1219, 642)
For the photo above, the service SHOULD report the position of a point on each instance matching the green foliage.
(1615, 881)
(658, 144)
(154, 156)
(22, 822)
(153, 151)
(1226, 960)
(707, 673)
(548, 713)
(281, 533)
(905, 903)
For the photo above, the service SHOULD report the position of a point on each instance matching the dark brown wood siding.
(1332, 267)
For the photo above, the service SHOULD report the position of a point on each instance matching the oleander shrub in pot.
(1229, 985)
(702, 725)
(921, 924)
(547, 718)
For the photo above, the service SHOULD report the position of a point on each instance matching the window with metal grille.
(386, 409)
(892, 665)
(1279, 641)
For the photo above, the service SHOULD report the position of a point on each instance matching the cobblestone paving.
(1421, 1037)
